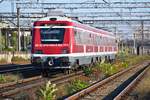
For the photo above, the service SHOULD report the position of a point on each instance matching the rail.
(14, 68)
(131, 85)
(22, 85)
(98, 84)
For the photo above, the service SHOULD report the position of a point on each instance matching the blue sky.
(5, 6)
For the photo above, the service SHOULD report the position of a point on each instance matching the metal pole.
(119, 44)
(0, 40)
(24, 40)
(142, 37)
(6, 39)
(117, 39)
(18, 25)
(122, 45)
(134, 45)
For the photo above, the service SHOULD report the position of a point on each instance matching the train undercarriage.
(68, 64)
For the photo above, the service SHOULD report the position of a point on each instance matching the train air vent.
(38, 52)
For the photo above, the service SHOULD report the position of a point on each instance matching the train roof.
(63, 18)
(59, 18)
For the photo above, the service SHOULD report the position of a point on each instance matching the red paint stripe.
(78, 48)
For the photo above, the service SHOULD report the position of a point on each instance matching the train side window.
(100, 40)
(75, 32)
(85, 37)
(77, 36)
(80, 39)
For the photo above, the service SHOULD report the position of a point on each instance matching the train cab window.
(52, 35)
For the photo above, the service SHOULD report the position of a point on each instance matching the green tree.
(14, 40)
(2, 42)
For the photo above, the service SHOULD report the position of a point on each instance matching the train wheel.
(67, 71)
(76, 67)
(103, 60)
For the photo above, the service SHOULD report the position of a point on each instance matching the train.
(63, 43)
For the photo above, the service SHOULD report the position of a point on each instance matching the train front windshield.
(52, 35)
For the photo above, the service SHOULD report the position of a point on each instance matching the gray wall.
(8, 55)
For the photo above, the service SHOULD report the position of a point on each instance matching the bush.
(47, 92)
(125, 64)
(107, 68)
(121, 56)
(77, 85)
(87, 71)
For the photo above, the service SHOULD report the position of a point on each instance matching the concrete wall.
(146, 50)
(8, 56)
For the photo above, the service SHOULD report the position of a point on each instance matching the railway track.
(133, 82)
(10, 89)
(113, 87)
(14, 68)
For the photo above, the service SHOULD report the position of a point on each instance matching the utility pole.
(122, 45)
(6, 39)
(18, 25)
(116, 39)
(134, 44)
(0, 40)
(142, 42)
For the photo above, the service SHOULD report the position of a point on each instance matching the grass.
(5, 78)
(123, 61)
(76, 85)
(131, 59)
(105, 69)
(137, 59)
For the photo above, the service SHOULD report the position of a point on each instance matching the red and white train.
(60, 42)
